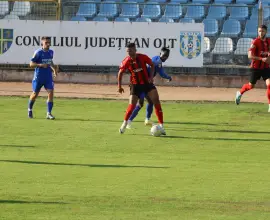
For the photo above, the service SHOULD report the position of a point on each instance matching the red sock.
(129, 111)
(245, 88)
(159, 113)
(268, 93)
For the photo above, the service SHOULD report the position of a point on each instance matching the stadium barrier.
(224, 49)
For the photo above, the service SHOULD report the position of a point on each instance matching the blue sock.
(135, 113)
(50, 106)
(149, 110)
(30, 104)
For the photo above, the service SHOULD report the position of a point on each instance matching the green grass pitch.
(213, 164)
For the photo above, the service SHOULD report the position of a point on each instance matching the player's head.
(131, 50)
(164, 54)
(262, 30)
(46, 43)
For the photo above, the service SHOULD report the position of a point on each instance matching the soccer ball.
(156, 130)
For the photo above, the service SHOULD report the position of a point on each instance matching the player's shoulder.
(156, 59)
(126, 59)
(37, 52)
(142, 56)
(256, 41)
(124, 62)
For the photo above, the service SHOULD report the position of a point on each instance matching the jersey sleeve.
(35, 56)
(253, 46)
(124, 65)
(147, 59)
(162, 73)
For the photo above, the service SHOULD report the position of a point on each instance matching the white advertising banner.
(101, 43)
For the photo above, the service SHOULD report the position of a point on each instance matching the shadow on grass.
(81, 165)
(28, 202)
(215, 139)
(221, 130)
(14, 145)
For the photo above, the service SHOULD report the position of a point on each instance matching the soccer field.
(212, 165)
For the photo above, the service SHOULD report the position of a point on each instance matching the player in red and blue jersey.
(259, 52)
(157, 60)
(43, 76)
(141, 83)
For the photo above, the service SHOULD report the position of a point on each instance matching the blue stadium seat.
(210, 27)
(239, 13)
(138, 1)
(201, 1)
(217, 12)
(4, 7)
(179, 1)
(166, 19)
(100, 19)
(223, 1)
(130, 10)
(251, 29)
(21, 8)
(143, 19)
(187, 20)
(231, 28)
(151, 11)
(195, 11)
(119, 1)
(223, 45)
(266, 13)
(122, 19)
(87, 10)
(173, 11)
(243, 45)
(108, 9)
(249, 2)
(78, 18)
(158, 1)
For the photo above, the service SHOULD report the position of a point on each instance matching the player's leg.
(36, 86)
(153, 95)
(135, 92)
(136, 110)
(49, 86)
(254, 76)
(149, 111)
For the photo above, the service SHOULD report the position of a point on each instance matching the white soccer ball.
(156, 130)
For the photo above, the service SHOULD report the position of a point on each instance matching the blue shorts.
(38, 84)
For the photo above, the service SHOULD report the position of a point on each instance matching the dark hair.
(263, 26)
(45, 38)
(165, 50)
(131, 45)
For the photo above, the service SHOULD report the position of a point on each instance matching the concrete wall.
(178, 80)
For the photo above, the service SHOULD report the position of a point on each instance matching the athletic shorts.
(257, 74)
(141, 89)
(37, 84)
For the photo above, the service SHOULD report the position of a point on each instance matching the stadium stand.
(229, 24)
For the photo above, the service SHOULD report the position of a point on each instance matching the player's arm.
(54, 69)
(252, 51)
(120, 76)
(149, 61)
(34, 60)
(121, 71)
(163, 74)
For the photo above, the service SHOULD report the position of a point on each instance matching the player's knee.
(33, 95)
(141, 102)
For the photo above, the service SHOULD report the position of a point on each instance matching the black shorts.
(257, 74)
(139, 89)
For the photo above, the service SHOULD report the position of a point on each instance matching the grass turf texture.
(213, 164)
